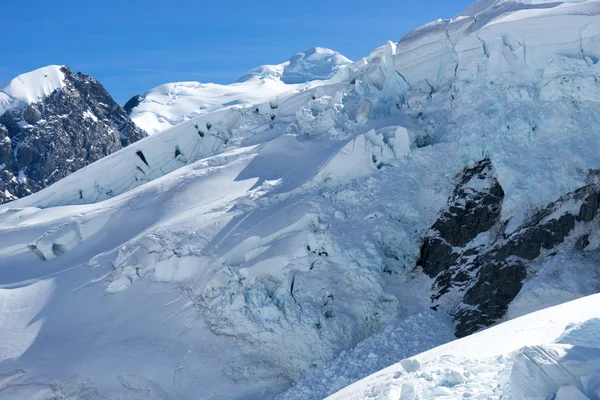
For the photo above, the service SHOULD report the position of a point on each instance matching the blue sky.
(134, 45)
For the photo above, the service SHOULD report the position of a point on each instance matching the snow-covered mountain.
(170, 104)
(52, 123)
(291, 247)
(310, 65)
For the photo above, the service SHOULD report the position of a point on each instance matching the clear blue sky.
(133, 45)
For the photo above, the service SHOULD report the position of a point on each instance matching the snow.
(29, 300)
(313, 64)
(394, 342)
(267, 245)
(512, 62)
(247, 235)
(173, 103)
(31, 87)
(544, 354)
(563, 278)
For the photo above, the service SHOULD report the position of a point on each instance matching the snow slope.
(314, 64)
(553, 353)
(248, 237)
(31, 87)
(172, 103)
(223, 257)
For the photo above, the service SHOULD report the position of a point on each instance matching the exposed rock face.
(132, 103)
(43, 142)
(474, 208)
(478, 267)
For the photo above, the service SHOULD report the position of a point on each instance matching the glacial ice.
(269, 238)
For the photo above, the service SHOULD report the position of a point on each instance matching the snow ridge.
(31, 87)
(317, 63)
(173, 103)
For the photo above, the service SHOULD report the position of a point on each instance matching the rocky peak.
(45, 138)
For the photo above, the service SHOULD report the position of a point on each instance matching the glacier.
(553, 353)
(173, 103)
(271, 245)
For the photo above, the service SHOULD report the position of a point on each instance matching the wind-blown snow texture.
(257, 247)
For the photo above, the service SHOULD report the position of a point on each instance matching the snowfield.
(173, 103)
(268, 249)
(314, 64)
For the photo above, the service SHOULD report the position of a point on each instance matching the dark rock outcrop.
(43, 142)
(478, 267)
(132, 103)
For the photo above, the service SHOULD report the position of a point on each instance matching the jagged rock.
(589, 208)
(472, 210)
(582, 242)
(487, 272)
(5, 149)
(486, 301)
(436, 255)
(104, 107)
(8, 183)
(70, 128)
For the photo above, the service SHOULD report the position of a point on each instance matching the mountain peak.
(31, 87)
(173, 103)
(317, 63)
(52, 123)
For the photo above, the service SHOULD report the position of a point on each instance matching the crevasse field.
(262, 242)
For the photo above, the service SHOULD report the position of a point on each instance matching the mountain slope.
(172, 103)
(553, 353)
(54, 122)
(455, 170)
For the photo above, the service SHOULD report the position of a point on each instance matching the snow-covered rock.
(31, 87)
(54, 122)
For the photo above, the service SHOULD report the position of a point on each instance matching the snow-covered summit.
(31, 87)
(53, 122)
(173, 103)
(317, 63)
